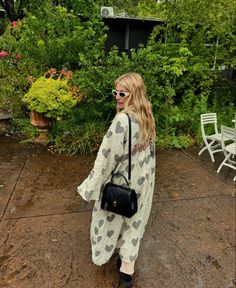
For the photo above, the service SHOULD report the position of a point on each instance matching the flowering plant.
(4, 54)
(9, 38)
(51, 94)
(14, 24)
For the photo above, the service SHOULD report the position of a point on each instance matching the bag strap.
(129, 167)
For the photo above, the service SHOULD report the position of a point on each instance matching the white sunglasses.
(121, 94)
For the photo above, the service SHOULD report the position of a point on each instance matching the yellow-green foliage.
(50, 96)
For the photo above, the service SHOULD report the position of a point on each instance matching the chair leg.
(211, 155)
(223, 162)
(202, 150)
(208, 147)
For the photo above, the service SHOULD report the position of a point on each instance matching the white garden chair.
(228, 138)
(212, 142)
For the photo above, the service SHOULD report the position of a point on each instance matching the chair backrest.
(209, 118)
(227, 134)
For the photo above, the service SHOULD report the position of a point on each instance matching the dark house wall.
(127, 33)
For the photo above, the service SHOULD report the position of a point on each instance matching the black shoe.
(126, 279)
(118, 263)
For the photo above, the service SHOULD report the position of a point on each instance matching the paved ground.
(44, 226)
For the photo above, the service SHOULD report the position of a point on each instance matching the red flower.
(18, 56)
(4, 54)
(14, 24)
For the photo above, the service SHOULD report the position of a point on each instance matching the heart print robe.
(108, 230)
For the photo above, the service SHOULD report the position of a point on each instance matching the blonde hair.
(138, 104)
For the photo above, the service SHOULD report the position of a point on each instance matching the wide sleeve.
(109, 155)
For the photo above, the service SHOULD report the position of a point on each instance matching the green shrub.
(23, 126)
(56, 37)
(83, 139)
(51, 96)
(182, 73)
(175, 142)
(13, 84)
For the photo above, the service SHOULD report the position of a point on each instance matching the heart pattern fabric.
(106, 226)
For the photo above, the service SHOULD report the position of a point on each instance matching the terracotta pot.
(39, 120)
(42, 124)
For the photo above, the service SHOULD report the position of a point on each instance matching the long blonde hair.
(139, 104)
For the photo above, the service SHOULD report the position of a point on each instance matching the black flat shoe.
(118, 263)
(126, 279)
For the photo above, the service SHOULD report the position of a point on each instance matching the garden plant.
(188, 65)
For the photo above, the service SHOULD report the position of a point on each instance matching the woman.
(109, 231)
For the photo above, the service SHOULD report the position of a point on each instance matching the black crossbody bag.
(120, 199)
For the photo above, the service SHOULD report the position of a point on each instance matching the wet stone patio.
(44, 226)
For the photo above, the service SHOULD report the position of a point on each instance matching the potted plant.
(50, 97)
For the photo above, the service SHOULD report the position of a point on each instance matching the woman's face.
(119, 99)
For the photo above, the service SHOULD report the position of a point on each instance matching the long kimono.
(108, 230)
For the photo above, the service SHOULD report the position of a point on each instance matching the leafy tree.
(16, 9)
(182, 64)
(149, 8)
(56, 37)
(82, 8)
(207, 29)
